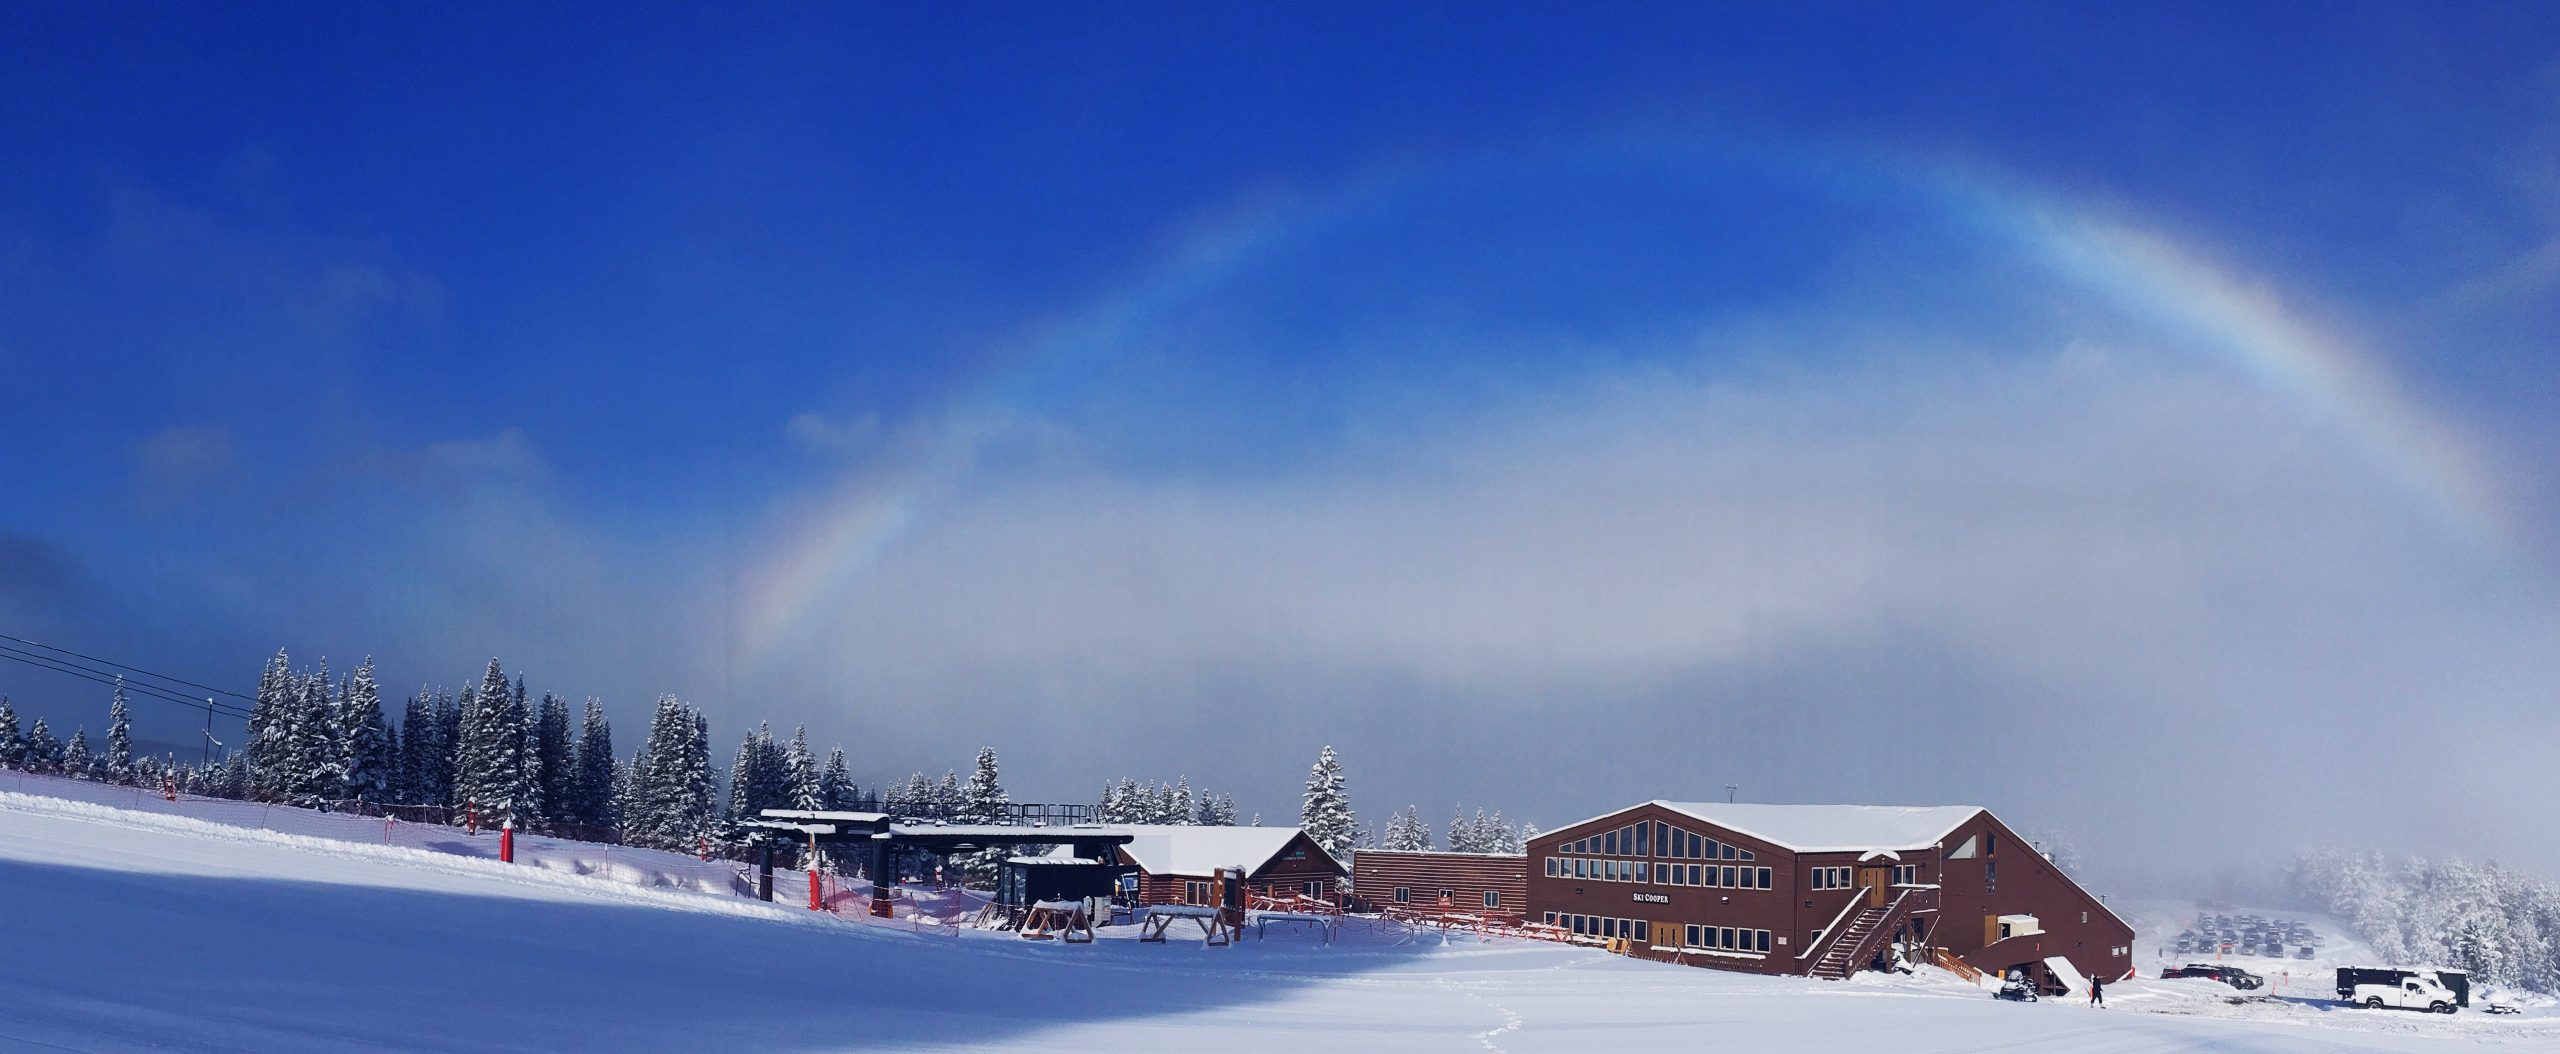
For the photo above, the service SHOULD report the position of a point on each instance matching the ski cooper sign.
(1651, 898)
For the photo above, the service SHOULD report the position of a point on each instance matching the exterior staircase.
(1866, 932)
(1852, 949)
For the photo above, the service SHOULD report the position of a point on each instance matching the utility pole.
(1729, 790)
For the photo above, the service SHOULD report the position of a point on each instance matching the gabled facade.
(1819, 890)
(1176, 862)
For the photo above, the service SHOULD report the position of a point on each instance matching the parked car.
(2303, 952)
(2230, 975)
(2377, 989)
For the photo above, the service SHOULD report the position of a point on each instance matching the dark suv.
(2230, 975)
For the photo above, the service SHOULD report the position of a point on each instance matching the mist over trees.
(2500, 926)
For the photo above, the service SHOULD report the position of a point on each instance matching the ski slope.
(132, 930)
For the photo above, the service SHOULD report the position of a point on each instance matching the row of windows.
(1726, 939)
(1711, 875)
(1595, 926)
(1634, 839)
(1601, 870)
(1492, 898)
(1200, 890)
(1654, 839)
(1906, 874)
(1830, 878)
(1689, 845)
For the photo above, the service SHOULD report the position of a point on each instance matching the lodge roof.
(1833, 828)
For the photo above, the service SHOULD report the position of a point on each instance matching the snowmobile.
(2016, 991)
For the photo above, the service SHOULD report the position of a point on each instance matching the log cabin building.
(1822, 890)
(1177, 863)
(1436, 883)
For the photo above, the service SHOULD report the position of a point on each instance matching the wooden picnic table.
(1215, 931)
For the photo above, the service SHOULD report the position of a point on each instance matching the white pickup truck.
(2418, 992)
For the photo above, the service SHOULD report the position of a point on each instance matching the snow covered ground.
(134, 930)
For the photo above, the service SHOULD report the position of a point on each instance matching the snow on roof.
(1833, 828)
(1183, 849)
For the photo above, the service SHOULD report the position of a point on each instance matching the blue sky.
(1013, 374)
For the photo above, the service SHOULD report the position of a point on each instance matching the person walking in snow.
(2097, 991)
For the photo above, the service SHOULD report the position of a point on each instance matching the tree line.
(494, 755)
(2499, 925)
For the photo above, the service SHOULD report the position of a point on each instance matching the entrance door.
(1873, 879)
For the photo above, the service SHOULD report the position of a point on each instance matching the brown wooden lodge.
(1805, 890)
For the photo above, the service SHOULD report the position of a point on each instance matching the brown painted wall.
(1770, 909)
(1298, 862)
(1377, 873)
(2028, 885)
(1797, 914)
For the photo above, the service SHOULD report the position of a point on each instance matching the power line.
(150, 691)
(131, 669)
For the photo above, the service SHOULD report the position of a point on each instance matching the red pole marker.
(471, 817)
(817, 901)
(507, 843)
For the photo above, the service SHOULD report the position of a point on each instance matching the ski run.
(137, 928)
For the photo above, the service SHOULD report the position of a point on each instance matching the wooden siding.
(1298, 862)
(1798, 915)
(1377, 873)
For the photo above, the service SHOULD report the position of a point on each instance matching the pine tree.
(364, 747)
(304, 742)
(1327, 817)
(417, 749)
(449, 736)
(800, 773)
(984, 801)
(44, 753)
(946, 795)
(835, 783)
(1177, 806)
(595, 790)
(490, 767)
(75, 757)
(1216, 810)
(265, 745)
(1406, 832)
(13, 747)
(555, 758)
(119, 765)
(747, 782)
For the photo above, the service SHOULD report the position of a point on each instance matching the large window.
(1830, 878)
(1963, 850)
(1404, 895)
(1195, 891)
(1492, 899)
(1906, 874)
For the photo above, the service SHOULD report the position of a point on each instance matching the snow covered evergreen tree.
(13, 747)
(835, 783)
(449, 733)
(1406, 832)
(594, 800)
(946, 795)
(800, 774)
(1327, 817)
(554, 760)
(491, 773)
(753, 785)
(1178, 803)
(303, 742)
(984, 801)
(365, 744)
(118, 764)
(415, 737)
(44, 753)
(76, 760)
(265, 744)
(1216, 810)
(670, 795)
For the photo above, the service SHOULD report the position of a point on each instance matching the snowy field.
(139, 930)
